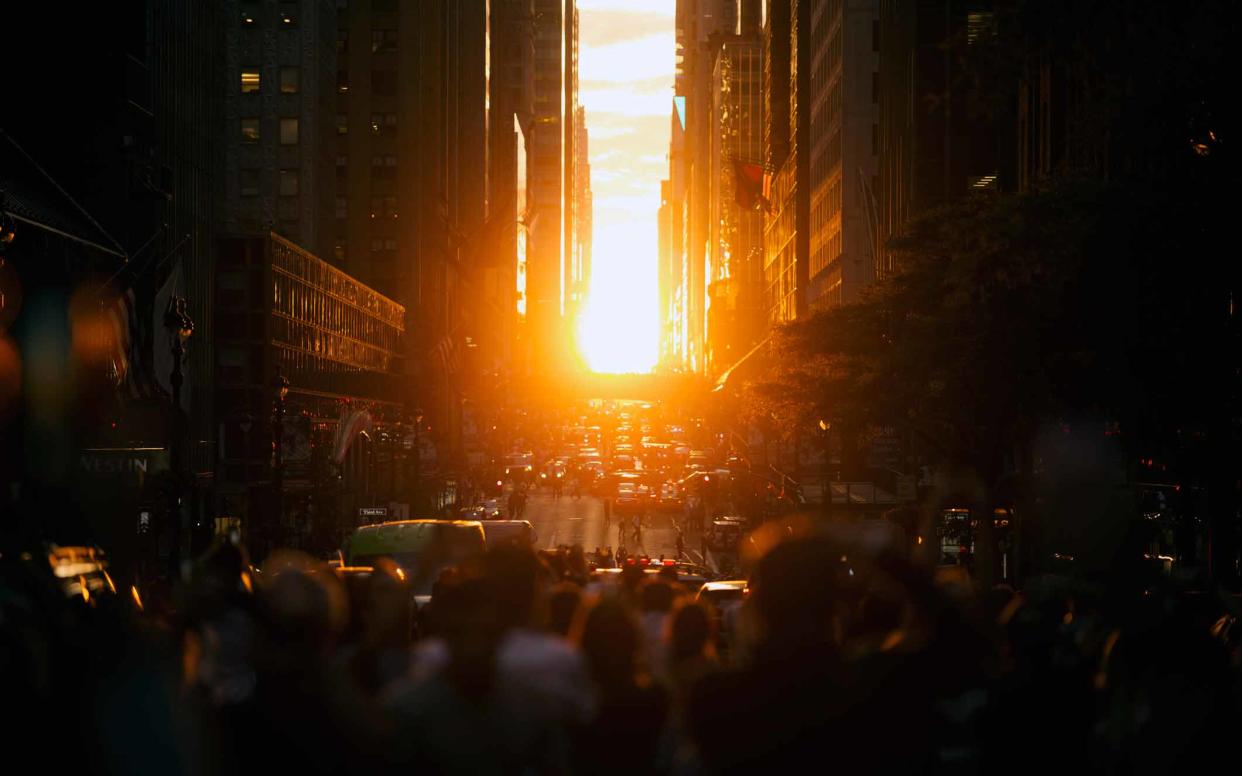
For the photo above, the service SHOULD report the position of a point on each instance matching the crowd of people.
(526, 664)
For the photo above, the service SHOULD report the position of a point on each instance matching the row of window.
(251, 130)
(248, 182)
(290, 80)
(381, 207)
(320, 275)
(383, 82)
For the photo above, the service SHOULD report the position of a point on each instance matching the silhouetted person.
(625, 734)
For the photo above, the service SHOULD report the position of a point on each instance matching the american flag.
(132, 325)
(448, 354)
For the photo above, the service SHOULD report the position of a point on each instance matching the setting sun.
(619, 329)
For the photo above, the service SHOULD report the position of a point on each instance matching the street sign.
(373, 511)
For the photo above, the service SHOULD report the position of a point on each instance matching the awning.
(30, 196)
(742, 365)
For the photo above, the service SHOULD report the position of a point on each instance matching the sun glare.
(627, 77)
(619, 329)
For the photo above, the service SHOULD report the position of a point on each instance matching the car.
(724, 535)
(723, 592)
(627, 499)
(670, 498)
(520, 466)
(83, 572)
(421, 548)
(518, 532)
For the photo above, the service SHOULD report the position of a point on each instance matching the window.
(875, 35)
(377, 245)
(383, 123)
(342, 80)
(390, 245)
(249, 80)
(875, 138)
(384, 82)
(248, 17)
(288, 183)
(248, 182)
(288, 131)
(342, 41)
(288, 15)
(338, 250)
(875, 87)
(341, 209)
(290, 78)
(250, 130)
(342, 124)
(383, 40)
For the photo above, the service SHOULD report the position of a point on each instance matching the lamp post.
(416, 463)
(180, 327)
(245, 422)
(825, 431)
(280, 390)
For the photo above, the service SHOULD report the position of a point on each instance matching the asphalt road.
(570, 521)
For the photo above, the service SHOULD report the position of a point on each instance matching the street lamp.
(280, 390)
(416, 461)
(825, 429)
(180, 328)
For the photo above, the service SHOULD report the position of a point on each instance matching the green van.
(422, 548)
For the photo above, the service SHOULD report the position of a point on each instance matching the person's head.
(795, 589)
(472, 625)
(302, 606)
(657, 596)
(610, 642)
(517, 578)
(386, 613)
(690, 632)
(563, 606)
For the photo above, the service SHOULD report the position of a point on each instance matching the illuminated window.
(290, 78)
(338, 250)
(249, 81)
(288, 131)
(979, 26)
(342, 124)
(250, 130)
(248, 181)
(289, 180)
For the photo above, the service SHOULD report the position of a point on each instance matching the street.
(568, 521)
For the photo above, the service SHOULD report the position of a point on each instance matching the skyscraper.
(551, 139)
(735, 312)
(278, 152)
(844, 142)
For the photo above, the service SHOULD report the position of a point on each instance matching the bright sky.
(626, 57)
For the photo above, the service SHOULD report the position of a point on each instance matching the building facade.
(342, 428)
(278, 120)
(844, 147)
(734, 290)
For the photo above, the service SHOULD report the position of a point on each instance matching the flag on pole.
(748, 184)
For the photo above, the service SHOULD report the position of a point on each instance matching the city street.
(568, 521)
